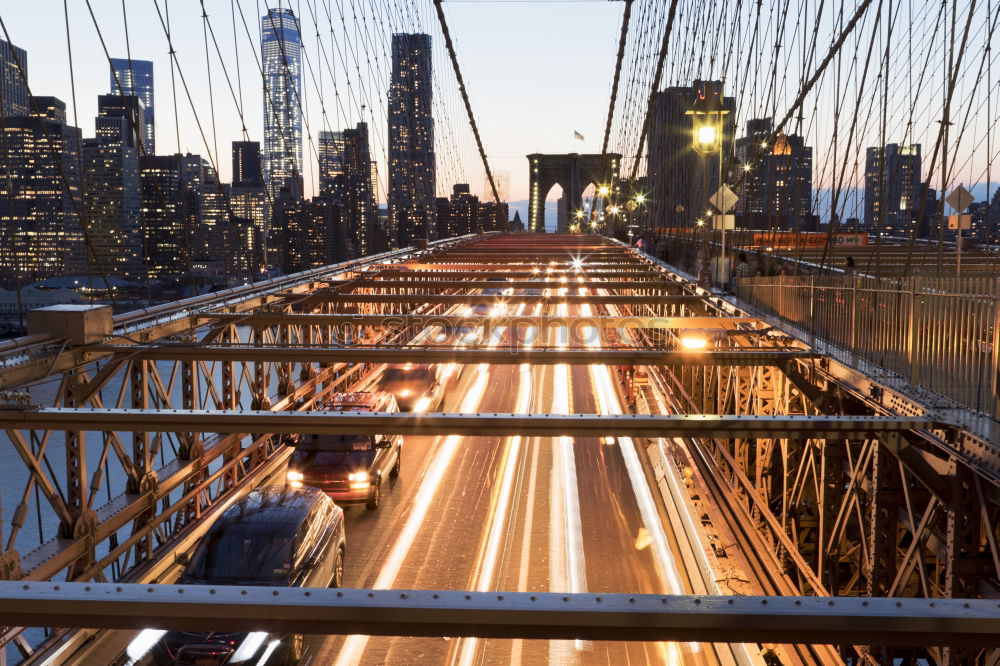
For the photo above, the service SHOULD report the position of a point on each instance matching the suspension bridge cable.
(468, 108)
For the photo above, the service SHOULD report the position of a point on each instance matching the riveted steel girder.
(539, 615)
(437, 423)
(498, 356)
(539, 321)
(474, 299)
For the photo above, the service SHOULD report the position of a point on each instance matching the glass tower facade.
(331, 163)
(281, 50)
(892, 189)
(12, 85)
(135, 77)
(412, 180)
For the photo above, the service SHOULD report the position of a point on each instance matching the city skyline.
(49, 73)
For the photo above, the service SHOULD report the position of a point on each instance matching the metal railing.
(941, 334)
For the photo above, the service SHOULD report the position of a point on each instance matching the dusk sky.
(535, 71)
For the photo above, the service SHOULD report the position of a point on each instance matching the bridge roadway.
(519, 514)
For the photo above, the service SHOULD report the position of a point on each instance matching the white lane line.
(607, 403)
(564, 468)
(498, 519)
(354, 646)
(517, 646)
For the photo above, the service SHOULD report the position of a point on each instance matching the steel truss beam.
(474, 299)
(478, 273)
(417, 281)
(540, 615)
(499, 356)
(538, 321)
(438, 423)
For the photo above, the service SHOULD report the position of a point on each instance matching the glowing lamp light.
(640, 198)
(604, 190)
(693, 342)
(706, 135)
(706, 121)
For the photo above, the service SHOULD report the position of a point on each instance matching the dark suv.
(348, 468)
(274, 536)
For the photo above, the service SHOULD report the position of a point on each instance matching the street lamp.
(706, 118)
(707, 114)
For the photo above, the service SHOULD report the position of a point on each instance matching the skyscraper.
(360, 212)
(676, 173)
(166, 250)
(40, 232)
(13, 88)
(892, 189)
(247, 169)
(460, 214)
(135, 77)
(111, 191)
(412, 181)
(281, 49)
(775, 189)
(331, 163)
(111, 109)
(248, 197)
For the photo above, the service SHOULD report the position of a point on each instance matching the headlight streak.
(565, 461)
(248, 647)
(499, 506)
(354, 646)
(271, 647)
(607, 403)
(143, 643)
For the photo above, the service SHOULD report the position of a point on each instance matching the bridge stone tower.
(573, 172)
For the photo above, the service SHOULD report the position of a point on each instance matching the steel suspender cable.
(654, 86)
(618, 71)
(468, 108)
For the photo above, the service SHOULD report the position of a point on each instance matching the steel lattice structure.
(833, 483)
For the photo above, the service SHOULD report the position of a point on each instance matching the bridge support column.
(964, 564)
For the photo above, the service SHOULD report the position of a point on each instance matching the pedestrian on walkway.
(741, 272)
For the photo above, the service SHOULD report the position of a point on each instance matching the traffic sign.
(960, 198)
(724, 199)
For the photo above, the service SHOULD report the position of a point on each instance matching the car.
(274, 536)
(417, 387)
(349, 468)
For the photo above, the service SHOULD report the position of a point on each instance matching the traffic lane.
(443, 550)
(370, 533)
(445, 553)
(528, 552)
(619, 558)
